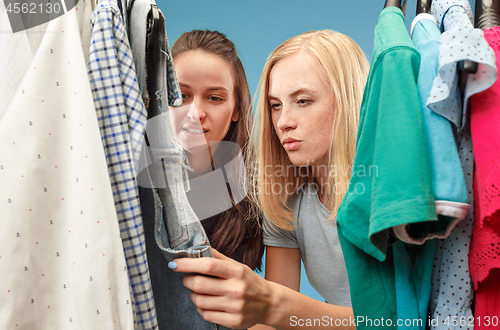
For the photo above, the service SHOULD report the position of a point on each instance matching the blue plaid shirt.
(122, 121)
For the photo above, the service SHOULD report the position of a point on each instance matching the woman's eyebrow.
(217, 88)
(302, 90)
(295, 93)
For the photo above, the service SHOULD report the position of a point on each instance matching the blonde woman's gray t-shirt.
(319, 245)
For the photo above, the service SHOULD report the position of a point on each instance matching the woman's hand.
(231, 295)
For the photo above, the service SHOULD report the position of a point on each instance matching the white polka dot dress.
(459, 41)
(452, 290)
(62, 264)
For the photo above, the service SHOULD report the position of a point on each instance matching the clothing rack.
(423, 6)
(396, 3)
(151, 41)
(153, 25)
(466, 66)
(487, 14)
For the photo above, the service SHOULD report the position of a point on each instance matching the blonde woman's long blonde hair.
(346, 68)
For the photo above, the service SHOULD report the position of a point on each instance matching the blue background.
(257, 27)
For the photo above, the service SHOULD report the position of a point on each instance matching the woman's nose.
(196, 112)
(286, 120)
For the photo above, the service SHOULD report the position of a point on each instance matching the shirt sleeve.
(274, 236)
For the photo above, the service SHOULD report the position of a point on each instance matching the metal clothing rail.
(487, 14)
(466, 66)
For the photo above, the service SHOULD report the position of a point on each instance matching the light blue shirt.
(413, 264)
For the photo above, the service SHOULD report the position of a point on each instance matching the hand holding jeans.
(231, 294)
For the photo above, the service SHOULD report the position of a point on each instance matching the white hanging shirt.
(62, 264)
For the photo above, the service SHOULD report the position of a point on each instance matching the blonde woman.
(310, 93)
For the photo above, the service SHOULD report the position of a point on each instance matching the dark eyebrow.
(215, 88)
(218, 88)
(294, 94)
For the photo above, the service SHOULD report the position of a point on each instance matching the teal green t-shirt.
(391, 180)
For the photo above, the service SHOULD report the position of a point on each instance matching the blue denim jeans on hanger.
(172, 229)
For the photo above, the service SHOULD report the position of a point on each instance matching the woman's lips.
(291, 144)
(194, 132)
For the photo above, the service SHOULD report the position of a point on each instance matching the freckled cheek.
(323, 132)
(320, 145)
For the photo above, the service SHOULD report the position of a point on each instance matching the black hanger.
(423, 6)
(401, 4)
(468, 66)
(152, 32)
(392, 3)
(153, 26)
(487, 14)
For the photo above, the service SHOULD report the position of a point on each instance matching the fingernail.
(172, 265)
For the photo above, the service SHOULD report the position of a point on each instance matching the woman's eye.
(275, 106)
(303, 101)
(215, 98)
(185, 96)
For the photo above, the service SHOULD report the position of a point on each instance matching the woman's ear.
(236, 115)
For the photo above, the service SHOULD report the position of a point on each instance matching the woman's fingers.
(219, 267)
(230, 294)
(229, 320)
(219, 255)
(221, 310)
(217, 303)
(205, 285)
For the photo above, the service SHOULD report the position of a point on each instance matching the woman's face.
(207, 86)
(302, 106)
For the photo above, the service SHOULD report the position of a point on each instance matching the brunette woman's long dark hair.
(240, 221)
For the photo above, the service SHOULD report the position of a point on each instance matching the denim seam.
(182, 239)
